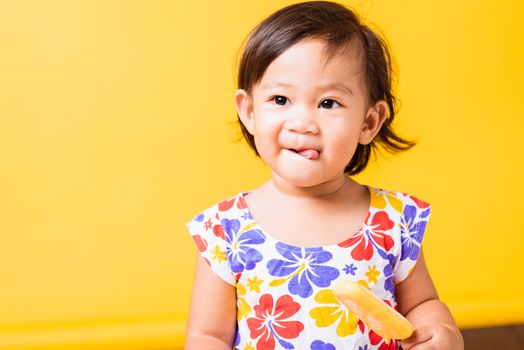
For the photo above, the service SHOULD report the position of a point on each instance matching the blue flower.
(363, 348)
(350, 269)
(320, 345)
(237, 340)
(412, 231)
(301, 267)
(239, 248)
(389, 283)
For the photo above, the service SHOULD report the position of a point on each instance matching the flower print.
(389, 278)
(226, 204)
(199, 218)
(350, 269)
(254, 284)
(241, 204)
(243, 308)
(219, 231)
(374, 234)
(320, 345)
(363, 348)
(249, 346)
(413, 225)
(200, 242)
(331, 312)
(240, 243)
(419, 203)
(237, 340)
(301, 267)
(270, 322)
(372, 274)
(246, 216)
(383, 344)
(380, 199)
(219, 255)
(208, 224)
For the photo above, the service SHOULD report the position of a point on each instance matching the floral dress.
(284, 295)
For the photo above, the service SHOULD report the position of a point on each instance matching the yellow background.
(117, 127)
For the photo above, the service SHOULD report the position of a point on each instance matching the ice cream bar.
(375, 313)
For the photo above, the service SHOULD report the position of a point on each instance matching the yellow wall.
(116, 128)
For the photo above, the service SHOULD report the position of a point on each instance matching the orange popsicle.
(375, 313)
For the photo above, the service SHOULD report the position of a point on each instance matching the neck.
(327, 190)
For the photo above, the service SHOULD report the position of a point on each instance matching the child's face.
(308, 116)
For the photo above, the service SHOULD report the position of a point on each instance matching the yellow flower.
(332, 311)
(241, 289)
(243, 308)
(218, 254)
(380, 198)
(249, 346)
(254, 284)
(372, 274)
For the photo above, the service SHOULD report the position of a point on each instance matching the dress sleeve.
(209, 237)
(414, 220)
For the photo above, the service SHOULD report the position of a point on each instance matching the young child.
(314, 99)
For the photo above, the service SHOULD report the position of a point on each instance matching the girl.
(314, 98)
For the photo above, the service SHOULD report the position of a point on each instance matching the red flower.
(418, 202)
(374, 231)
(241, 203)
(219, 231)
(200, 242)
(376, 339)
(269, 322)
(226, 204)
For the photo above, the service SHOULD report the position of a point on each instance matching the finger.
(419, 336)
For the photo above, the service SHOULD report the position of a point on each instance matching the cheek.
(266, 133)
(342, 146)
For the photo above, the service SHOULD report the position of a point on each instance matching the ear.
(375, 117)
(244, 106)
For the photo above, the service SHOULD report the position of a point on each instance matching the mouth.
(307, 153)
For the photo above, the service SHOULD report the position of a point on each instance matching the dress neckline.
(293, 247)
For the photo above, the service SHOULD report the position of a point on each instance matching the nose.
(302, 123)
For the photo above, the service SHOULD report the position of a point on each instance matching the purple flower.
(412, 230)
(389, 283)
(239, 248)
(320, 345)
(350, 269)
(302, 267)
(247, 216)
(237, 340)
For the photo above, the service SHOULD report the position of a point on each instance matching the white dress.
(284, 296)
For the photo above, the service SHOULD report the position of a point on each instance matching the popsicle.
(375, 313)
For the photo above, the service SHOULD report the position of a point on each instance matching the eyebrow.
(330, 86)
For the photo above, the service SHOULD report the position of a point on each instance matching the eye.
(279, 100)
(328, 103)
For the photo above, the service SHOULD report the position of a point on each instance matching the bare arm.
(212, 316)
(434, 325)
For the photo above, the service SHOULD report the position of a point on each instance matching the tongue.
(309, 153)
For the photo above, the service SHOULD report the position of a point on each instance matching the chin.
(302, 179)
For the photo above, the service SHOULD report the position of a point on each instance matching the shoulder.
(227, 206)
(395, 200)
(218, 217)
(212, 230)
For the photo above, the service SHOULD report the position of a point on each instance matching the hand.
(441, 337)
